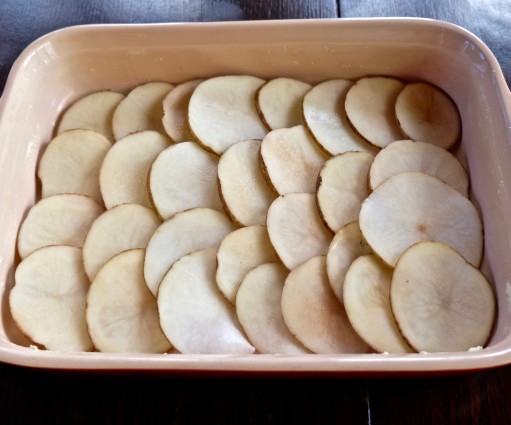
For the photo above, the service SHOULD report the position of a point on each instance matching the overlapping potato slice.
(441, 302)
(123, 174)
(62, 219)
(222, 111)
(122, 315)
(194, 315)
(49, 297)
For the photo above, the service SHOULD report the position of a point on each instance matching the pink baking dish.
(67, 64)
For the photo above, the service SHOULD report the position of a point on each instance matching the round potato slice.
(441, 302)
(413, 207)
(258, 307)
(222, 111)
(57, 220)
(122, 315)
(313, 314)
(194, 315)
(49, 296)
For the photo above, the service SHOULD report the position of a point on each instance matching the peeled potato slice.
(441, 303)
(407, 155)
(123, 227)
(296, 230)
(49, 296)
(185, 232)
(239, 252)
(57, 220)
(342, 186)
(280, 102)
(367, 303)
(292, 160)
(222, 111)
(194, 315)
(427, 113)
(71, 164)
(184, 176)
(123, 175)
(370, 109)
(122, 315)
(258, 307)
(412, 207)
(313, 314)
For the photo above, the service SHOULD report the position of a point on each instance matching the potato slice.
(185, 232)
(367, 303)
(296, 230)
(244, 191)
(313, 314)
(407, 155)
(427, 113)
(57, 220)
(184, 176)
(123, 174)
(412, 207)
(71, 164)
(325, 116)
(292, 160)
(92, 112)
(441, 302)
(194, 315)
(123, 227)
(122, 315)
(222, 111)
(49, 296)
(238, 253)
(258, 307)
(370, 109)
(279, 101)
(141, 109)
(342, 186)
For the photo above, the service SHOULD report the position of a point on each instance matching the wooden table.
(35, 396)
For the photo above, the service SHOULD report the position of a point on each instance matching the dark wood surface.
(33, 396)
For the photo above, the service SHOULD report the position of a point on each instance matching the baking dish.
(67, 64)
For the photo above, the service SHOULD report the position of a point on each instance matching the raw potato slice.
(175, 111)
(427, 113)
(71, 164)
(367, 304)
(280, 102)
(292, 160)
(184, 176)
(188, 231)
(370, 109)
(347, 245)
(141, 109)
(222, 111)
(441, 303)
(123, 227)
(92, 112)
(413, 207)
(313, 314)
(123, 175)
(407, 155)
(49, 296)
(243, 189)
(122, 315)
(342, 187)
(57, 220)
(258, 307)
(194, 315)
(239, 252)
(296, 230)
(325, 116)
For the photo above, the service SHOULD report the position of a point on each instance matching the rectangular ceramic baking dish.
(67, 64)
